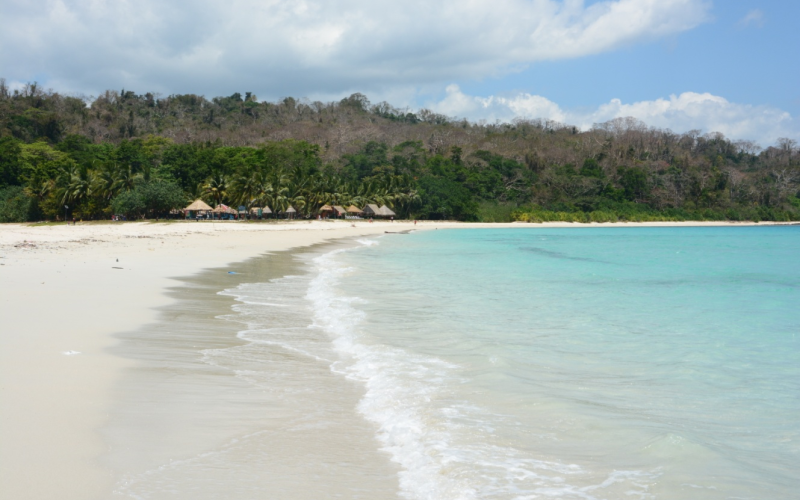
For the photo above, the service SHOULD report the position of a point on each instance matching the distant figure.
(392, 218)
(73, 221)
(370, 220)
(415, 222)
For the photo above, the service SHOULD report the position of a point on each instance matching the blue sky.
(755, 62)
(727, 66)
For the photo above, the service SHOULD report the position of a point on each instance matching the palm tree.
(216, 188)
(105, 183)
(41, 189)
(76, 185)
(265, 192)
(125, 179)
(295, 195)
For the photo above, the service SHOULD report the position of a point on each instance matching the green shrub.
(16, 206)
(496, 212)
(149, 199)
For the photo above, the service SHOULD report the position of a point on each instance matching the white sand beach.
(64, 292)
(61, 299)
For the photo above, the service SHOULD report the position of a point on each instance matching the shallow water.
(575, 363)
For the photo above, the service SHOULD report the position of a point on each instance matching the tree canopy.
(143, 155)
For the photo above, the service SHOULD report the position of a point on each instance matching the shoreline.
(215, 384)
(67, 290)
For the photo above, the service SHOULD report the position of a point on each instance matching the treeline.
(143, 155)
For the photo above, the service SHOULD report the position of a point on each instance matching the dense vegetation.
(143, 155)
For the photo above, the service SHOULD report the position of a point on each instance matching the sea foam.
(408, 397)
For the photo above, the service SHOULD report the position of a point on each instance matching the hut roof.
(339, 209)
(264, 210)
(223, 209)
(372, 209)
(353, 209)
(290, 210)
(384, 210)
(198, 205)
(325, 208)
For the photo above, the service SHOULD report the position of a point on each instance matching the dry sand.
(64, 292)
(60, 293)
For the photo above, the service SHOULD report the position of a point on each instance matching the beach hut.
(386, 211)
(291, 213)
(352, 209)
(197, 205)
(372, 210)
(222, 211)
(339, 211)
(325, 210)
(260, 212)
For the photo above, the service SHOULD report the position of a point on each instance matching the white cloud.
(679, 113)
(754, 17)
(458, 104)
(302, 47)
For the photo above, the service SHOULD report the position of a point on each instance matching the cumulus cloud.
(302, 47)
(681, 113)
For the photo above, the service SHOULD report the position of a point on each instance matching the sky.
(716, 66)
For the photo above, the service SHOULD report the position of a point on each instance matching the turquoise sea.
(586, 363)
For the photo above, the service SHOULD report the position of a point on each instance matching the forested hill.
(144, 154)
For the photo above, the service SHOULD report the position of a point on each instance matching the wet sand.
(207, 415)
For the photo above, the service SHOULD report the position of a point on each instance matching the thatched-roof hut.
(198, 205)
(260, 211)
(386, 211)
(352, 209)
(326, 208)
(339, 210)
(290, 212)
(372, 210)
(223, 209)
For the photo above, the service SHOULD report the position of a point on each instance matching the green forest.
(144, 155)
